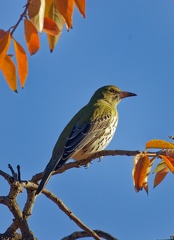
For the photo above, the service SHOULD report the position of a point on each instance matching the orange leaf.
(50, 27)
(4, 44)
(168, 162)
(66, 8)
(81, 5)
(156, 143)
(36, 13)
(2, 32)
(142, 166)
(160, 176)
(22, 62)
(9, 71)
(31, 37)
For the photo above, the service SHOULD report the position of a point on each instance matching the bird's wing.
(80, 136)
(75, 138)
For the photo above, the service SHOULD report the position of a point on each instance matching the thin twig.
(21, 17)
(14, 174)
(6, 176)
(19, 173)
(69, 213)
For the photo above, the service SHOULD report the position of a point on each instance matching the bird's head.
(111, 94)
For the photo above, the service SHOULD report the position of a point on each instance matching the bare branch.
(70, 214)
(16, 187)
(27, 211)
(15, 236)
(5, 176)
(82, 234)
(12, 229)
(20, 221)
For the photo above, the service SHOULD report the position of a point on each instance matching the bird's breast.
(98, 141)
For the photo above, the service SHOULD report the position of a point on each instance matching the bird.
(88, 132)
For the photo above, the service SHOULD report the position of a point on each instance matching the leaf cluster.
(144, 161)
(39, 16)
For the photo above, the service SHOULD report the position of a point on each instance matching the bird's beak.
(127, 94)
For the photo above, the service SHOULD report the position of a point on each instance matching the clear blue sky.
(127, 43)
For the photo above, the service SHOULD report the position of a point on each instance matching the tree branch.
(100, 154)
(20, 221)
(6, 176)
(16, 187)
(70, 214)
(82, 234)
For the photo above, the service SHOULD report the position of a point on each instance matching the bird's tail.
(47, 174)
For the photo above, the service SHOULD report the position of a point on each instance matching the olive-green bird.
(88, 132)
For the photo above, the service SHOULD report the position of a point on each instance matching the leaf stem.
(21, 17)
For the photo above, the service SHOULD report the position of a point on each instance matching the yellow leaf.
(4, 44)
(31, 37)
(22, 62)
(81, 5)
(52, 41)
(36, 13)
(160, 167)
(50, 27)
(9, 71)
(168, 162)
(160, 176)
(66, 8)
(52, 13)
(156, 143)
(142, 167)
(145, 184)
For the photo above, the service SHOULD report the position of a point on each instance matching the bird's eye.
(112, 90)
